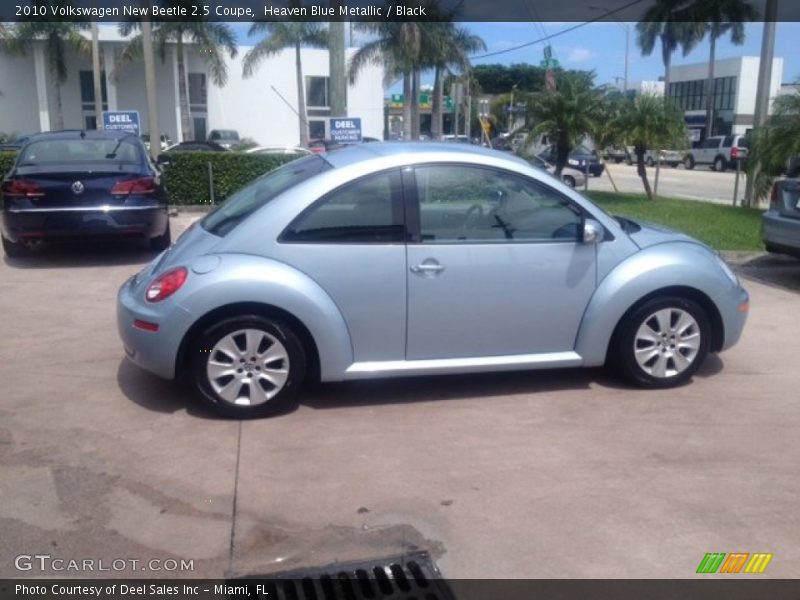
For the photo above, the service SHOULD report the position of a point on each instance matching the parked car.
(451, 138)
(403, 259)
(83, 184)
(781, 223)
(615, 153)
(671, 158)
(571, 177)
(295, 151)
(165, 141)
(719, 151)
(578, 159)
(196, 147)
(227, 138)
(15, 144)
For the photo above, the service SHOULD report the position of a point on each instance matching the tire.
(655, 366)
(161, 242)
(628, 161)
(15, 249)
(227, 343)
(650, 162)
(688, 162)
(568, 180)
(719, 164)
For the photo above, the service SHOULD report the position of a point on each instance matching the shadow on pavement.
(773, 269)
(74, 254)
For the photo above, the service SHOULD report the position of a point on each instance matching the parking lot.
(502, 475)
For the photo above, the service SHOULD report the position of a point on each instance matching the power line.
(558, 33)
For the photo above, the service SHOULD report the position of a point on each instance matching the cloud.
(579, 54)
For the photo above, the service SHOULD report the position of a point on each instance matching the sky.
(601, 47)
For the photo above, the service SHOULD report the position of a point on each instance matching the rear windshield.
(225, 134)
(252, 197)
(118, 151)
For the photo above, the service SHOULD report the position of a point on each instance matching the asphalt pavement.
(552, 474)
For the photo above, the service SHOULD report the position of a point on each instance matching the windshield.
(118, 151)
(224, 134)
(252, 197)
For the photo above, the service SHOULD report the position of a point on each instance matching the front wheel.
(248, 366)
(650, 162)
(663, 342)
(688, 162)
(568, 180)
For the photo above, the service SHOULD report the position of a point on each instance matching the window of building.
(316, 129)
(460, 204)
(87, 90)
(690, 95)
(317, 92)
(198, 92)
(369, 210)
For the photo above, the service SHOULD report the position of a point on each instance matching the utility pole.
(337, 81)
(627, 53)
(98, 86)
(150, 87)
(762, 92)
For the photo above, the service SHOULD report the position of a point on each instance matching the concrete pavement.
(538, 474)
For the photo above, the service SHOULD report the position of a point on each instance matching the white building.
(735, 83)
(253, 106)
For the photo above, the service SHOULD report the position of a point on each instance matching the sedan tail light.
(166, 284)
(22, 188)
(143, 185)
(774, 197)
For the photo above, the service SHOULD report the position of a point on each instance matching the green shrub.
(6, 160)
(186, 177)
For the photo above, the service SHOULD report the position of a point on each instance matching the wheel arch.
(183, 357)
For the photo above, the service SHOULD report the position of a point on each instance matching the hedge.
(6, 160)
(186, 177)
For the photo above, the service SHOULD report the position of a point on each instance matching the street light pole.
(627, 53)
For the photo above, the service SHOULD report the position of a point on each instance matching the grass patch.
(721, 227)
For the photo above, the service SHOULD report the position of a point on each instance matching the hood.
(645, 234)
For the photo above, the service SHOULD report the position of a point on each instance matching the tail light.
(143, 185)
(734, 152)
(774, 197)
(166, 284)
(22, 188)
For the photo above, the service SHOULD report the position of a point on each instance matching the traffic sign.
(121, 120)
(345, 130)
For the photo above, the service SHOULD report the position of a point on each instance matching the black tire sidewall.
(624, 355)
(283, 401)
(569, 181)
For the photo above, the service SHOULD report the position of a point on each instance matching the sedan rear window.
(51, 151)
(258, 193)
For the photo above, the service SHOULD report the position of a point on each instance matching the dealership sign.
(345, 130)
(121, 120)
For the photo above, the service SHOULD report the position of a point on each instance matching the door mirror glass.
(593, 232)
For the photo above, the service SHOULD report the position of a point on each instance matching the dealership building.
(262, 107)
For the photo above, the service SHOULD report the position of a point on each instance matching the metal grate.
(409, 577)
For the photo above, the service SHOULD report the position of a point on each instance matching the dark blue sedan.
(83, 184)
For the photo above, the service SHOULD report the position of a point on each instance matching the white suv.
(719, 151)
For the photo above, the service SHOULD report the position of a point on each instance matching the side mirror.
(593, 232)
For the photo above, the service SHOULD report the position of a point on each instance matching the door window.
(369, 210)
(466, 204)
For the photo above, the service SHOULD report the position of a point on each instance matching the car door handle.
(427, 268)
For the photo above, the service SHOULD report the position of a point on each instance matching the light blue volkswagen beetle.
(396, 259)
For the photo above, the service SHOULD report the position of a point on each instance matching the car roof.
(360, 152)
(75, 134)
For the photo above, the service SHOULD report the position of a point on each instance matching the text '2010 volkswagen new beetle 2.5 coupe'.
(395, 259)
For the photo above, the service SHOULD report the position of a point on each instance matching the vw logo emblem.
(78, 187)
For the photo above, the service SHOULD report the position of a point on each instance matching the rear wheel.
(688, 162)
(719, 164)
(663, 342)
(568, 180)
(650, 162)
(248, 366)
(162, 241)
(15, 249)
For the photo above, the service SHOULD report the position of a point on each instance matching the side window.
(369, 210)
(711, 143)
(464, 204)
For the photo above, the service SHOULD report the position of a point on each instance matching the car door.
(495, 266)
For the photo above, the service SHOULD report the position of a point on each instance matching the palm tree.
(776, 144)
(650, 122)
(451, 46)
(566, 114)
(719, 18)
(606, 130)
(666, 21)
(213, 37)
(58, 38)
(280, 35)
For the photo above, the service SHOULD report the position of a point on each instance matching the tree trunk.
(58, 119)
(415, 105)
(183, 97)
(336, 64)
(407, 93)
(642, 171)
(562, 155)
(436, 105)
(301, 98)
(710, 87)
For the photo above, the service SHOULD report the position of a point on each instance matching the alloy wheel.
(667, 342)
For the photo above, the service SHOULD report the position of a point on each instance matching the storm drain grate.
(410, 577)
